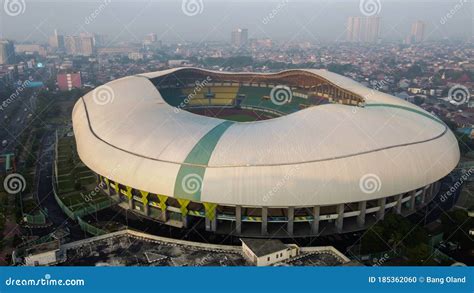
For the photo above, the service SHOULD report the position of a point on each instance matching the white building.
(357, 155)
(43, 254)
(265, 252)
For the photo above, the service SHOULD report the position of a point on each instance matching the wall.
(44, 258)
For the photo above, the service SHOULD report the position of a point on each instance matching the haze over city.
(315, 21)
(245, 133)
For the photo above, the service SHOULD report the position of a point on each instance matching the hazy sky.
(280, 20)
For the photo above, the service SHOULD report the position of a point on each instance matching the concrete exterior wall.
(248, 254)
(42, 259)
(273, 258)
(341, 221)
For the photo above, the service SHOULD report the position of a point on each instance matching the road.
(10, 130)
(45, 193)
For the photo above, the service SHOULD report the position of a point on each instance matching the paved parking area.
(129, 251)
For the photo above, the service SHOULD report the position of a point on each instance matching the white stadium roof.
(316, 156)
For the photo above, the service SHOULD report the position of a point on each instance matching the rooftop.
(43, 247)
(262, 247)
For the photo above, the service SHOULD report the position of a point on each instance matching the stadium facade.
(289, 154)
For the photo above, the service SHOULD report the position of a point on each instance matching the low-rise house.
(265, 252)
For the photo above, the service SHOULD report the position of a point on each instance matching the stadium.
(297, 153)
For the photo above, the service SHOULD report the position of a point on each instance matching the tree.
(418, 100)
(418, 254)
(456, 225)
(393, 232)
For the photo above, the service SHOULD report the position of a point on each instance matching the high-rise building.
(363, 29)
(151, 41)
(240, 37)
(372, 29)
(87, 45)
(100, 40)
(7, 52)
(79, 45)
(261, 43)
(417, 33)
(354, 28)
(30, 49)
(151, 38)
(56, 40)
(71, 44)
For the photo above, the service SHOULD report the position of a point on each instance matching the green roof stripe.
(407, 109)
(188, 183)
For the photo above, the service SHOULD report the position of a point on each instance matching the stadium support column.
(183, 206)
(211, 219)
(398, 208)
(107, 185)
(100, 181)
(424, 193)
(163, 206)
(291, 220)
(361, 216)
(129, 196)
(315, 223)
(238, 219)
(117, 189)
(264, 220)
(412, 200)
(145, 201)
(431, 191)
(340, 217)
(381, 211)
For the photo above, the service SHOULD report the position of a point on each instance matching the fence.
(89, 209)
(90, 228)
(442, 256)
(374, 257)
(77, 214)
(36, 219)
(63, 207)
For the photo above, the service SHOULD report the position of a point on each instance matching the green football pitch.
(239, 118)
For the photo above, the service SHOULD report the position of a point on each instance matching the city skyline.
(237, 133)
(301, 21)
